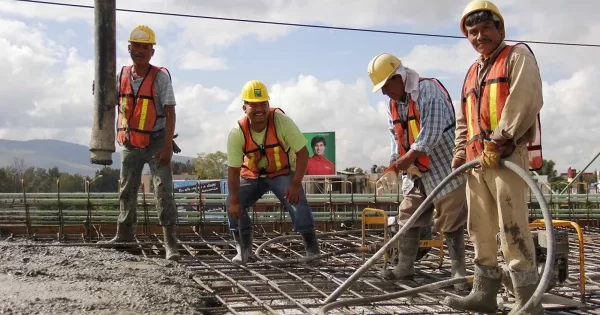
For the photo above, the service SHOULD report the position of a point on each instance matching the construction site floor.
(75, 276)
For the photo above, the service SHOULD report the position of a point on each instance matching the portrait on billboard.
(321, 152)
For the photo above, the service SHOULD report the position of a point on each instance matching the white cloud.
(205, 35)
(314, 106)
(193, 60)
(48, 93)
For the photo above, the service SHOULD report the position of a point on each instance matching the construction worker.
(421, 122)
(145, 128)
(266, 152)
(499, 118)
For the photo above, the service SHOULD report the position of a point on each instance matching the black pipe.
(102, 143)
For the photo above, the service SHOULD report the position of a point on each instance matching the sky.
(317, 76)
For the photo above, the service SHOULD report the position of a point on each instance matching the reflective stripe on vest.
(137, 113)
(272, 149)
(414, 125)
(483, 105)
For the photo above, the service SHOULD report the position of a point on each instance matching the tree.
(109, 182)
(548, 169)
(210, 165)
(180, 167)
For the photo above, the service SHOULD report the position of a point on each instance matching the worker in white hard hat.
(145, 130)
(421, 122)
(498, 118)
(266, 152)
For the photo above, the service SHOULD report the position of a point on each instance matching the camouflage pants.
(132, 165)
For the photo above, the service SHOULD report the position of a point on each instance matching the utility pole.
(102, 143)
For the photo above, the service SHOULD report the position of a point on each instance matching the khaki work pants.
(497, 200)
(451, 210)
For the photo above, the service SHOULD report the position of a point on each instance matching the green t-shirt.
(287, 131)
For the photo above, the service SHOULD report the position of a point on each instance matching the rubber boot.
(426, 234)
(124, 234)
(524, 285)
(170, 243)
(408, 246)
(243, 247)
(456, 249)
(483, 295)
(311, 245)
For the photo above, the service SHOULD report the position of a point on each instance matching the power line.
(205, 17)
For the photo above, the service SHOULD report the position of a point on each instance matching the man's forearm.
(233, 182)
(169, 126)
(414, 154)
(301, 165)
(460, 135)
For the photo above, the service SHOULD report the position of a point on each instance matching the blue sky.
(318, 76)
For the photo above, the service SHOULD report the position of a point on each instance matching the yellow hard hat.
(255, 91)
(381, 68)
(478, 5)
(142, 34)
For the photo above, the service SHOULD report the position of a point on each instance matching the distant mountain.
(68, 157)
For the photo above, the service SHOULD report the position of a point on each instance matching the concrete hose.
(535, 298)
(337, 253)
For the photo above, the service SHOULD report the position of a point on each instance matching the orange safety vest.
(483, 105)
(277, 158)
(137, 113)
(414, 125)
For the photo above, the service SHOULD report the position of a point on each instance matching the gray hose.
(549, 264)
(378, 298)
(336, 253)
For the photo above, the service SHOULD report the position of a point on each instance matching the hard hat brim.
(256, 100)
(142, 42)
(379, 85)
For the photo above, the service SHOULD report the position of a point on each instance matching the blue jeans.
(252, 190)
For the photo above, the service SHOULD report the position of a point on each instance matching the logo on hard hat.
(257, 93)
(140, 35)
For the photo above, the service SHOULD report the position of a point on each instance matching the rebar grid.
(258, 288)
(284, 289)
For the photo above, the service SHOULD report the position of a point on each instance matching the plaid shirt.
(436, 114)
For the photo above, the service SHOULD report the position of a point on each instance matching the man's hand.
(401, 164)
(491, 155)
(165, 155)
(234, 208)
(457, 162)
(293, 193)
(121, 137)
(387, 182)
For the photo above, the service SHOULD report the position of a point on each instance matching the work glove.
(413, 170)
(387, 183)
(176, 148)
(490, 156)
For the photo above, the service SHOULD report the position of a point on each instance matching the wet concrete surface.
(81, 280)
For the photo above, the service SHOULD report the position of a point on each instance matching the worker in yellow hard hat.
(500, 120)
(145, 129)
(421, 121)
(266, 152)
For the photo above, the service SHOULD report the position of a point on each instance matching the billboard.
(321, 152)
(205, 186)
